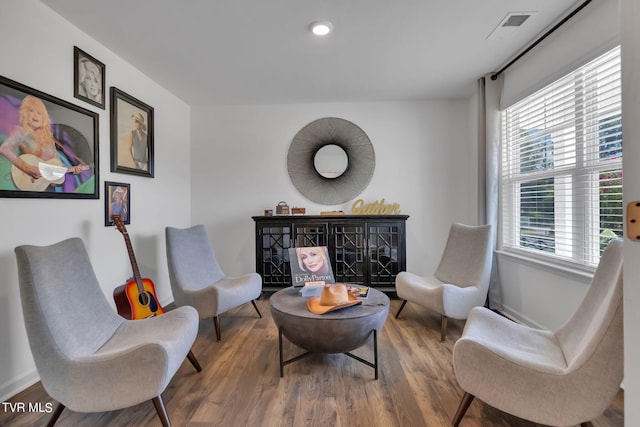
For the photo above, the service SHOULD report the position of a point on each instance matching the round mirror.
(349, 156)
(331, 161)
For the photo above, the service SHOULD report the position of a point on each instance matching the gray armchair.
(461, 281)
(563, 377)
(88, 357)
(197, 279)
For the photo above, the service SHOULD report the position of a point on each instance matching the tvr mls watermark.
(24, 407)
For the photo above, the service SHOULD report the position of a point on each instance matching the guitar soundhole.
(146, 299)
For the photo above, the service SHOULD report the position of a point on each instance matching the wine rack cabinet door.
(272, 254)
(348, 251)
(386, 253)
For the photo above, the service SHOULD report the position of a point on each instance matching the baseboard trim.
(17, 385)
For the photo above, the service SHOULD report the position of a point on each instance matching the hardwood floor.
(240, 383)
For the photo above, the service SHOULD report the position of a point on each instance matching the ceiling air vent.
(509, 24)
(515, 20)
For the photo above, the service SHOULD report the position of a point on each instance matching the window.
(561, 177)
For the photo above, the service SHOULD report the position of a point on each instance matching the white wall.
(539, 295)
(423, 162)
(37, 50)
(630, 16)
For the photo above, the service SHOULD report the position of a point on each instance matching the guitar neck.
(134, 263)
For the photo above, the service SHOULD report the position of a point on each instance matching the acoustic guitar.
(52, 171)
(137, 298)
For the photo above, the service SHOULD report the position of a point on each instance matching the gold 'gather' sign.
(376, 208)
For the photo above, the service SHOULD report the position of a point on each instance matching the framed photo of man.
(117, 201)
(131, 135)
(88, 78)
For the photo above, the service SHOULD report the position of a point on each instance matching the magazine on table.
(311, 289)
(310, 266)
(361, 292)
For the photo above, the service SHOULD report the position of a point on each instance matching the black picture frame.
(69, 172)
(127, 113)
(88, 72)
(112, 192)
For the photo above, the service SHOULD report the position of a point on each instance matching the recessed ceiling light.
(321, 28)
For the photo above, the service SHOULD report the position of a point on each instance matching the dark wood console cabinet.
(364, 249)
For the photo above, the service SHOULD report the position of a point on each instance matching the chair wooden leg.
(256, 307)
(216, 323)
(586, 424)
(194, 361)
(404, 302)
(55, 415)
(443, 328)
(162, 412)
(462, 408)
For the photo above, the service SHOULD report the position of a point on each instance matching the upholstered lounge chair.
(197, 279)
(88, 357)
(560, 378)
(461, 280)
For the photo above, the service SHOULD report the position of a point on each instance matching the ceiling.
(226, 52)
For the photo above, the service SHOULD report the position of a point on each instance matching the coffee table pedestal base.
(373, 365)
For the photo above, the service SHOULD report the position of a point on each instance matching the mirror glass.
(331, 161)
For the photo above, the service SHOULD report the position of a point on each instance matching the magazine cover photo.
(310, 264)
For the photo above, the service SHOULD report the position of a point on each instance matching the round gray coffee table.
(338, 331)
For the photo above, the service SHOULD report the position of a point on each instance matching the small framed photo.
(88, 78)
(117, 201)
(131, 135)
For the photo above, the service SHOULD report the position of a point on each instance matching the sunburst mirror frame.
(361, 161)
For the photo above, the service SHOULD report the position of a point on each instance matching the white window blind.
(561, 174)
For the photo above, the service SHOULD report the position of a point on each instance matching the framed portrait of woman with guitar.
(48, 147)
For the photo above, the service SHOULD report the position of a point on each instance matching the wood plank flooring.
(240, 384)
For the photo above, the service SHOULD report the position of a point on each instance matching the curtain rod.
(495, 75)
